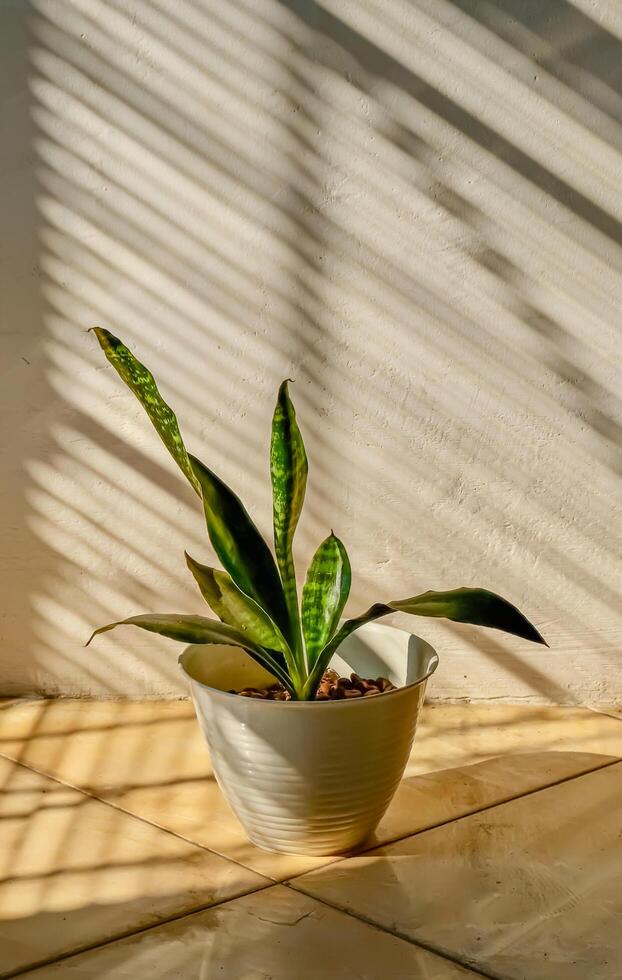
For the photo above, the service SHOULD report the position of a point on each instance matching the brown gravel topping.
(332, 688)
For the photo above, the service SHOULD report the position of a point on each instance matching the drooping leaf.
(288, 470)
(199, 629)
(142, 383)
(235, 608)
(324, 595)
(478, 607)
(240, 546)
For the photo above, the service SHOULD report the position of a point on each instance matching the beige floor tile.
(75, 871)
(150, 758)
(529, 889)
(272, 935)
(452, 735)
(433, 798)
(468, 757)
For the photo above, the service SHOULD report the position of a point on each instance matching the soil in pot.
(332, 688)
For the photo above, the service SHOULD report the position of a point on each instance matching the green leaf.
(288, 470)
(324, 595)
(476, 606)
(140, 380)
(200, 629)
(235, 608)
(349, 626)
(240, 546)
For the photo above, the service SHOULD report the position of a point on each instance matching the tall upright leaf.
(200, 629)
(324, 657)
(141, 382)
(476, 606)
(324, 595)
(240, 546)
(237, 609)
(288, 470)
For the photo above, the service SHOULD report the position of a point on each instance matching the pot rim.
(297, 705)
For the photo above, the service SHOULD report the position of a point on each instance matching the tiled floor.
(498, 857)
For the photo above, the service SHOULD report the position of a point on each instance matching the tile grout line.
(90, 947)
(334, 859)
(288, 882)
(271, 882)
(74, 954)
(128, 813)
(444, 823)
(396, 933)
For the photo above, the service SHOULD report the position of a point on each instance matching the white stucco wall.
(413, 208)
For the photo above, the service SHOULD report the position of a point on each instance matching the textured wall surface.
(413, 208)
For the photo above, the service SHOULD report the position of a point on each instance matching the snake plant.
(255, 594)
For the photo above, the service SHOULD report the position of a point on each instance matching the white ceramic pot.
(311, 777)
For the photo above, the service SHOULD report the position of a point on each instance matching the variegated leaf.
(324, 595)
(476, 606)
(235, 608)
(239, 545)
(142, 383)
(288, 469)
(200, 629)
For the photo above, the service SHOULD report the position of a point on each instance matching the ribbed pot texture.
(311, 777)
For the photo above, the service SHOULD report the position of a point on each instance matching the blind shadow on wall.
(412, 209)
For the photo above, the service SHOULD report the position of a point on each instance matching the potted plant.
(308, 760)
